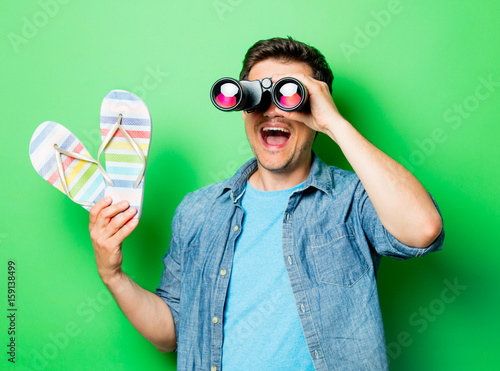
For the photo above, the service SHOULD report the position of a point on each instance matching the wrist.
(333, 126)
(113, 280)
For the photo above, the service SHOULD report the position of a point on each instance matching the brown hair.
(288, 50)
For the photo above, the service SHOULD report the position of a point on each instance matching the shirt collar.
(319, 177)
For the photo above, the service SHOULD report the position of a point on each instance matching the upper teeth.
(267, 128)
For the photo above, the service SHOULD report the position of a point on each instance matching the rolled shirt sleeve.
(385, 243)
(169, 288)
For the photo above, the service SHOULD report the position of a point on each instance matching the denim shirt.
(332, 241)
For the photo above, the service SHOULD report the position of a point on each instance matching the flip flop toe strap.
(105, 142)
(58, 151)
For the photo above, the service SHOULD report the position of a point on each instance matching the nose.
(272, 111)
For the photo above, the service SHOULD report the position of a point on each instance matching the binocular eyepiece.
(288, 94)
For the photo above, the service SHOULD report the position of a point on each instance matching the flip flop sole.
(123, 164)
(84, 180)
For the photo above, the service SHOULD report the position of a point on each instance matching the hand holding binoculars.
(288, 94)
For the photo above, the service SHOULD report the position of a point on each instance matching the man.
(275, 268)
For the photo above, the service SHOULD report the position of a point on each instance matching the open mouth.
(275, 136)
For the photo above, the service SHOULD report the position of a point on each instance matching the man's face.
(279, 144)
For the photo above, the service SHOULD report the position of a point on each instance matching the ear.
(243, 114)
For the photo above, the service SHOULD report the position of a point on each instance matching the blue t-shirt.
(262, 330)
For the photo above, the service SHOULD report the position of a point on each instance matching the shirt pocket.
(337, 257)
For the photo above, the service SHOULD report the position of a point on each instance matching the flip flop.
(126, 136)
(56, 154)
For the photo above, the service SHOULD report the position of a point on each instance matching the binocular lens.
(290, 94)
(226, 94)
(227, 97)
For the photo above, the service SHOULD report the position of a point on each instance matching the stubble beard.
(292, 161)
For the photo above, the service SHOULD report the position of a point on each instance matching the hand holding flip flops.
(62, 160)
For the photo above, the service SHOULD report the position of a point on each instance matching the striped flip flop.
(126, 136)
(63, 161)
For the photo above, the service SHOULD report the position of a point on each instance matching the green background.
(402, 71)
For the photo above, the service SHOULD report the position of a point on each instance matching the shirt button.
(215, 320)
(302, 307)
(289, 260)
(236, 228)
(316, 354)
(287, 216)
(223, 272)
(213, 368)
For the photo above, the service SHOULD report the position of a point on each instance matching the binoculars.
(288, 94)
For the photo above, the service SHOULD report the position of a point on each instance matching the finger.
(105, 226)
(103, 234)
(117, 222)
(125, 231)
(294, 115)
(96, 209)
(299, 117)
(109, 212)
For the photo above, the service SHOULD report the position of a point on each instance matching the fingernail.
(131, 210)
(123, 203)
(107, 199)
